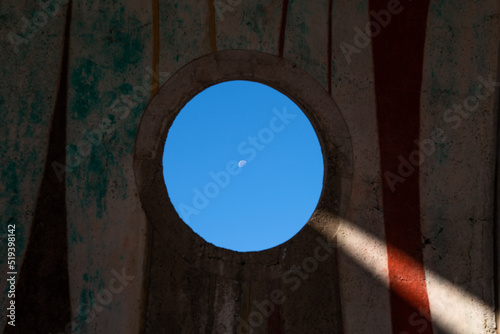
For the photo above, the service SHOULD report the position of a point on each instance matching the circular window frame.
(306, 93)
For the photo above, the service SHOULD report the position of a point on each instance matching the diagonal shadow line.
(370, 240)
(43, 299)
(416, 323)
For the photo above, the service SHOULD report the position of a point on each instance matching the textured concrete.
(129, 273)
(456, 190)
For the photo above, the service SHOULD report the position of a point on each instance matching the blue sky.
(266, 201)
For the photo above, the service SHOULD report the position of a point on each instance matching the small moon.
(242, 163)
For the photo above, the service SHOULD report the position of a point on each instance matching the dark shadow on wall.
(185, 297)
(42, 298)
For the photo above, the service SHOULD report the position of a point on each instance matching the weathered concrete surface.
(27, 99)
(306, 39)
(362, 265)
(457, 178)
(258, 25)
(184, 34)
(109, 86)
(111, 54)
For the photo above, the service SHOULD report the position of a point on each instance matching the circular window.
(274, 165)
(243, 166)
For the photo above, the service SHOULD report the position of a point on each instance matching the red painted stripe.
(398, 64)
(284, 13)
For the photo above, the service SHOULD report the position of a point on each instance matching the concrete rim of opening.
(306, 93)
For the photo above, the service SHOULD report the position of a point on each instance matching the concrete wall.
(415, 243)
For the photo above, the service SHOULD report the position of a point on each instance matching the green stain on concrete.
(481, 39)
(85, 80)
(131, 133)
(446, 29)
(28, 132)
(21, 115)
(101, 284)
(303, 48)
(443, 152)
(435, 90)
(335, 78)
(93, 279)
(116, 64)
(99, 172)
(11, 183)
(37, 109)
(438, 7)
(260, 9)
(11, 196)
(85, 308)
(74, 236)
(303, 28)
(439, 12)
(72, 149)
(126, 89)
(124, 43)
(129, 51)
(362, 7)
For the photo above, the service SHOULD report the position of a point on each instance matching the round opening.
(243, 166)
(169, 234)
